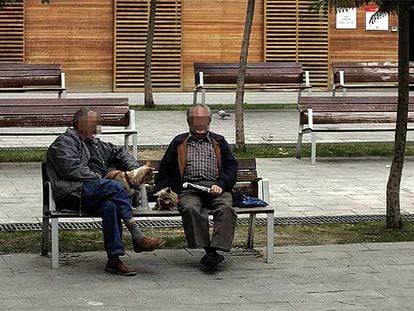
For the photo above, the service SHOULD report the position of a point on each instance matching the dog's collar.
(128, 180)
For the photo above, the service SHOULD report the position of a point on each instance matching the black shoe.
(219, 258)
(211, 260)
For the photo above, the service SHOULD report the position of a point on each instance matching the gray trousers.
(194, 208)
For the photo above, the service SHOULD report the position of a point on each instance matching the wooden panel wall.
(361, 45)
(11, 33)
(76, 34)
(212, 31)
(292, 33)
(130, 42)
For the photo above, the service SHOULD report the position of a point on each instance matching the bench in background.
(259, 76)
(247, 181)
(366, 75)
(326, 114)
(20, 77)
(31, 116)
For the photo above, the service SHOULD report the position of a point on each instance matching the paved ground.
(336, 277)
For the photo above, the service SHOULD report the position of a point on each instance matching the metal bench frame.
(52, 216)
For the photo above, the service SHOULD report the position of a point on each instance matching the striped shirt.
(201, 160)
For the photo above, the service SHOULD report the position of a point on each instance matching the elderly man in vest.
(203, 158)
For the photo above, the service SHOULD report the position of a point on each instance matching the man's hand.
(216, 190)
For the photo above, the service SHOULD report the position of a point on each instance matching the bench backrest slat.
(369, 72)
(59, 112)
(315, 100)
(24, 75)
(269, 72)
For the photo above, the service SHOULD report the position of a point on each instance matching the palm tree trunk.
(240, 141)
(393, 217)
(148, 97)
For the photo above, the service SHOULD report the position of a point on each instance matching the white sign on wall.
(379, 24)
(346, 18)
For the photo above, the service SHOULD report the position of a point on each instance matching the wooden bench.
(19, 77)
(326, 114)
(366, 75)
(247, 181)
(32, 117)
(259, 76)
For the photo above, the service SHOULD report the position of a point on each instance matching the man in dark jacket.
(76, 163)
(203, 158)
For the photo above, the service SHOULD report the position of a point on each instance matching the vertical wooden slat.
(12, 33)
(131, 32)
(292, 33)
(313, 43)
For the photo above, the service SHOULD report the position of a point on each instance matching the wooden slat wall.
(130, 41)
(361, 45)
(292, 33)
(213, 32)
(76, 34)
(11, 33)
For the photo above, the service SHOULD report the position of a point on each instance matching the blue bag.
(242, 200)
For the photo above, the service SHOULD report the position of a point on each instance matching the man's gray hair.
(198, 106)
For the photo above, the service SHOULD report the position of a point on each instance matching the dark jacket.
(173, 163)
(67, 163)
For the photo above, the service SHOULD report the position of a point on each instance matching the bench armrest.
(199, 83)
(264, 189)
(50, 204)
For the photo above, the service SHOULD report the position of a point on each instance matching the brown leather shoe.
(115, 265)
(148, 244)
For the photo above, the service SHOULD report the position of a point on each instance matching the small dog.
(167, 200)
(133, 179)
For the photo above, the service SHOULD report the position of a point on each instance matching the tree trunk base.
(149, 104)
(394, 225)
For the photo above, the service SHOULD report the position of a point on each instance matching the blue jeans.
(108, 198)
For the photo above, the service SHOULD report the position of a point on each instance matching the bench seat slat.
(151, 213)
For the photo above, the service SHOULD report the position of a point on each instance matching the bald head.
(198, 119)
